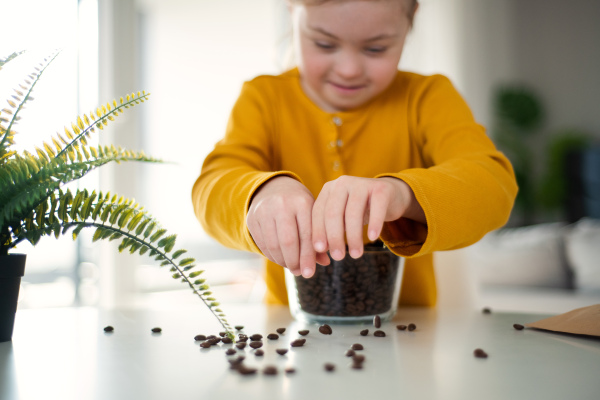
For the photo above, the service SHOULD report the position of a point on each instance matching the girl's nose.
(348, 65)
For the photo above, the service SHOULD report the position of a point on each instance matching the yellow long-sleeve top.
(419, 130)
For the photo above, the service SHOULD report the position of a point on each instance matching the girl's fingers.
(354, 218)
(322, 259)
(319, 234)
(307, 252)
(287, 234)
(335, 223)
(269, 230)
(378, 205)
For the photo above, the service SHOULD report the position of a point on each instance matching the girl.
(395, 151)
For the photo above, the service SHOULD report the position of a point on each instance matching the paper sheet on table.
(582, 321)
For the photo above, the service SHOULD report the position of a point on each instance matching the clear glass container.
(350, 291)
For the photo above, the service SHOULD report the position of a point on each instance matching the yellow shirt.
(419, 130)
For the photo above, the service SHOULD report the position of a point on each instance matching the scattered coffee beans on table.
(379, 333)
(256, 344)
(412, 327)
(272, 336)
(242, 338)
(280, 330)
(239, 327)
(479, 353)
(350, 353)
(329, 367)
(357, 346)
(199, 337)
(364, 332)
(486, 310)
(325, 329)
(259, 353)
(290, 370)
(518, 327)
(230, 352)
(240, 345)
(298, 343)
(206, 344)
(377, 321)
(401, 327)
(281, 352)
(304, 332)
(108, 328)
(256, 337)
(226, 340)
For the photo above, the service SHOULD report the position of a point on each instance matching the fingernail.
(320, 247)
(306, 272)
(372, 235)
(337, 255)
(355, 253)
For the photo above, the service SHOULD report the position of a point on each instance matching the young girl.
(395, 151)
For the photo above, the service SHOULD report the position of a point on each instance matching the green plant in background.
(34, 204)
(518, 116)
(554, 186)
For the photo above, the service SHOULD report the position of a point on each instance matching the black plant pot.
(12, 268)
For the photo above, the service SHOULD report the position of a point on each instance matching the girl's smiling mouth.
(346, 88)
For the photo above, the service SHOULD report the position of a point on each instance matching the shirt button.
(336, 165)
(337, 121)
(340, 143)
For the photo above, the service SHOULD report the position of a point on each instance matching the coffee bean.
(379, 333)
(108, 328)
(486, 310)
(246, 370)
(259, 353)
(235, 363)
(226, 340)
(480, 353)
(242, 338)
(211, 337)
(222, 334)
(350, 353)
(297, 343)
(401, 327)
(364, 332)
(199, 337)
(325, 329)
(357, 346)
(377, 321)
(290, 370)
(358, 358)
(239, 327)
(256, 336)
(214, 341)
(412, 327)
(256, 344)
(206, 344)
(230, 352)
(240, 345)
(280, 330)
(303, 332)
(270, 370)
(357, 365)
(518, 327)
(329, 367)
(281, 351)
(272, 336)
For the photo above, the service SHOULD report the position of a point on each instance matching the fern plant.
(34, 203)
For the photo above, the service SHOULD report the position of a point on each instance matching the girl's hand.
(347, 203)
(279, 220)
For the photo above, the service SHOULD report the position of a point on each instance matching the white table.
(65, 354)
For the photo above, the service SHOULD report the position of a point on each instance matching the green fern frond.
(112, 218)
(16, 107)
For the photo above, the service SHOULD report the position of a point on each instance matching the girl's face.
(348, 51)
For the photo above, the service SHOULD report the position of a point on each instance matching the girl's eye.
(375, 50)
(324, 45)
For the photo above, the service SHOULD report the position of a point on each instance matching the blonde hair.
(411, 5)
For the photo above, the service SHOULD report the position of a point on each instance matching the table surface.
(65, 354)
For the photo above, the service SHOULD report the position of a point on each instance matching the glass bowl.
(350, 291)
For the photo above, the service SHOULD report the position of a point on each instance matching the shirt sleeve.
(467, 187)
(239, 164)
